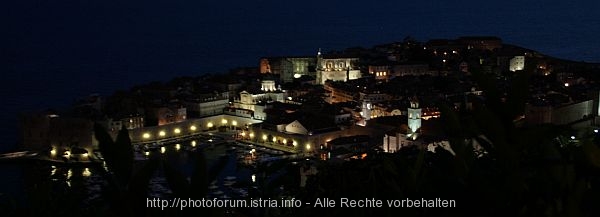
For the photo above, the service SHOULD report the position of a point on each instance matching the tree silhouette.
(128, 188)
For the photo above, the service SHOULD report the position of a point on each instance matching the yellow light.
(209, 125)
(162, 133)
(284, 141)
(193, 128)
(295, 143)
(69, 174)
(146, 153)
(274, 139)
(162, 150)
(243, 133)
(146, 135)
(177, 131)
(194, 143)
(177, 146)
(53, 151)
(86, 155)
(224, 121)
(86, 172)
(307, 147)
(234, 123)
(264, 137)
(251, 135)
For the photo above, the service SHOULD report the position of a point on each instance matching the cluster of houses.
(337, 103)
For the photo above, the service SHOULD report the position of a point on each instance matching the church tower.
(320, 66)
(414, 118)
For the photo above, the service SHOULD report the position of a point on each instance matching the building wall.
(394, 143)
(559, 115)
(323, 76)
(314, 141)
(66, 132)
(207, 108)
(258, 102)
(517, 63)
(297, 66)
(133, 122)
(34, 131)
(374, 97)
(380, 72)
(296, 128)
(337, 69)
(288, 67)
(189, 127)
(41, 132)
(414, 70)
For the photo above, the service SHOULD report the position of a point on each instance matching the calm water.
(53, 52)
(28, 184)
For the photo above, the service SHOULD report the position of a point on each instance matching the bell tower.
(414, 118)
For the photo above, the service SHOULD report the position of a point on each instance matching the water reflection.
(85, 186)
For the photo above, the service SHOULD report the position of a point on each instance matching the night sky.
(54, 51)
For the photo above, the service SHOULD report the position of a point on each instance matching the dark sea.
(53, 52)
